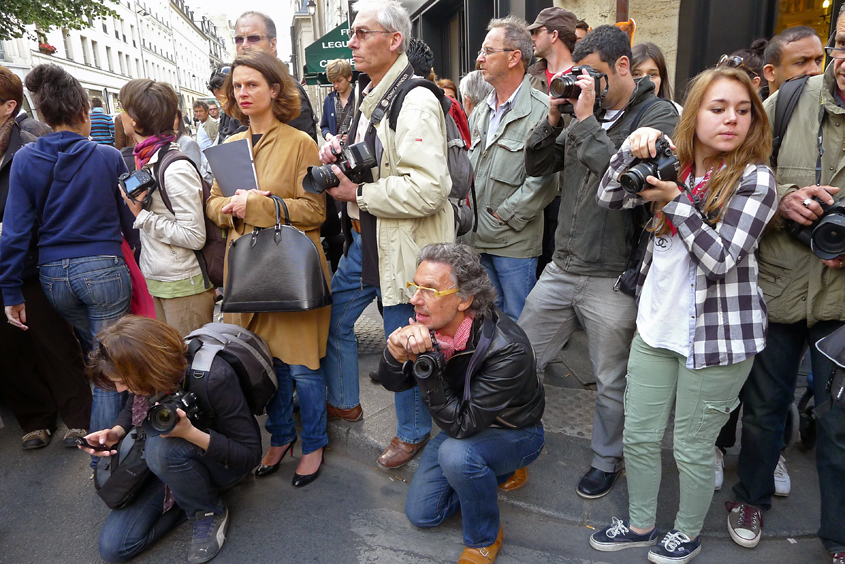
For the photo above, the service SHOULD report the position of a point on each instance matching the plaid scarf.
(450, 345)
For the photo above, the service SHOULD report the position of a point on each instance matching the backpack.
(119, 478)
(833, 347)
(788, 95)
(457, 154)
(213, 254)
(223, 347)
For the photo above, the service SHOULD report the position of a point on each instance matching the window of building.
(105, 29)
(132, 33)
(2, 50)
(66, 39)
(95, 52)
(109, 59)
(138, 68)
(86, 54)
(120, 63)
(811, 13)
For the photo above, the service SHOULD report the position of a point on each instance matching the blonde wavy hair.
(755, 149)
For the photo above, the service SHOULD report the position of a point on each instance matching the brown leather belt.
(356, 225)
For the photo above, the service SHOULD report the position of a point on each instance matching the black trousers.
(42, 373)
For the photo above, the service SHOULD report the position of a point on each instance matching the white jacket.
(168, 240)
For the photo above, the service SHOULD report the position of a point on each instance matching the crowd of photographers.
(597, 201)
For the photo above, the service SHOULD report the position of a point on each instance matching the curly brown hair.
(146, 355)
(286, 105)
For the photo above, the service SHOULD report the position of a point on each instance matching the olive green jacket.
(796, 284)
(501, 183)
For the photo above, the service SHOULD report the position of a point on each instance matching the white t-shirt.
(666, 313)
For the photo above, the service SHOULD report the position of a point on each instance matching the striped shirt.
(102, 127)
(730, 312)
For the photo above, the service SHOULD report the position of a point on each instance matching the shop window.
(811, 13)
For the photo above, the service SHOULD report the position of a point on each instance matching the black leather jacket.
(505, 391)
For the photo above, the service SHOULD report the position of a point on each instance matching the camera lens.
(319, 179)
(163, 418)
(829, 236)
(423, 367)
(564, 87)
(633, 180)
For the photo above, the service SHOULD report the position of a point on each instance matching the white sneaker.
(719, 469)
(782, 483)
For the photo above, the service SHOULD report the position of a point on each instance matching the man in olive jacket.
(805, 298)
(510, 202)
(592, 244)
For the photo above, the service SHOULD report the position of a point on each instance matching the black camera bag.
(833, 347)
(118, 478)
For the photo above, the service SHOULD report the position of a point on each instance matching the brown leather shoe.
(483, 555)
(516, 481)
(352, 414)
(398, 453)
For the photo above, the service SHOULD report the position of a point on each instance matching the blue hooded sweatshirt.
(67, 186)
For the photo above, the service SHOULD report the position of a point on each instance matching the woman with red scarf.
(169, 237)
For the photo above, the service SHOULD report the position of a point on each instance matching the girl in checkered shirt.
(701, 316)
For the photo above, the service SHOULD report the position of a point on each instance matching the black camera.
(135, 182)
(162, 418)
(353, 161)
(430, 363)
(826, 235)
(565, 86)
(663, 166)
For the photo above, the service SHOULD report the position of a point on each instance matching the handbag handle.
(277, 200)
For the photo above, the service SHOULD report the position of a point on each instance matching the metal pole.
(621, 10)
(140, 39)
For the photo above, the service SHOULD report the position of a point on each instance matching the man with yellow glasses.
(476, 373)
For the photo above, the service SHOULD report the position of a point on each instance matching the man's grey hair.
(269, 24)
(517, 36)
(391, 15)
(474, 87)
(468, 275)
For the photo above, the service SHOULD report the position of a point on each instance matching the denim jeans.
(90, 293)
(766, 397)
(658, 381)
(513, 279)
(350, 296)
(463, 474)
(311, 386)
(552, 312)
(195, 483)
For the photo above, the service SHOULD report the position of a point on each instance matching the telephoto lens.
(828, 239)
(162, 418)
(564, 87)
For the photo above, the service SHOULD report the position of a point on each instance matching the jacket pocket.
(509, 166)
(773, 276)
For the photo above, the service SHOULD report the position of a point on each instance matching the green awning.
(332, 45)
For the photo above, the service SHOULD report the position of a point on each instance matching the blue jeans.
(513, 279)
(195, 483)
(312, 403)
(350, 296)
(90, 293)
(463, 474)
(766, 397)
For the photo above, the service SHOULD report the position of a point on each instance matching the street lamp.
(312, 8)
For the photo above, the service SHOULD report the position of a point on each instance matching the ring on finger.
(807, 202)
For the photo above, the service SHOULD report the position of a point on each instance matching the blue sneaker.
(675, 548)
(619, 536)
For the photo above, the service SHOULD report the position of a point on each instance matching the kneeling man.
(476, 373)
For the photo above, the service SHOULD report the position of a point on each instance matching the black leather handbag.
(275, 269)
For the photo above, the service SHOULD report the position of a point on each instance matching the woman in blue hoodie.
(64, 192)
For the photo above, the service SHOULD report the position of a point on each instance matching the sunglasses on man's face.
(251, 39)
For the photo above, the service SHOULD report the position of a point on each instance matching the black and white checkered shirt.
(731, 321)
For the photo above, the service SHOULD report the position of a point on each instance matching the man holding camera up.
(401, 207)
(805, 298)
(592, 244)
(476, 372)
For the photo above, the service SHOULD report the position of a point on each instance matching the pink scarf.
(450, 345)
(145, 150)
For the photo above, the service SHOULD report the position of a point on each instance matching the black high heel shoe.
(300, 481)
(263, 470)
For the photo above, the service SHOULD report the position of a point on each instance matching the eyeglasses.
(430, 293)
(251, 39)
(538, 30)
(487, 51)
(362, 34)
(734, 62)
(834, 49)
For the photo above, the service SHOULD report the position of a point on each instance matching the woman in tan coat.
(261, 92)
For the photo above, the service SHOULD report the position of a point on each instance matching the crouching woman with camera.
(477, 376)
(701, 316)
(191, 465)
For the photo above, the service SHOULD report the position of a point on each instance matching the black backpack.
(457, 153)
(212, 256)
(118, 478)
(788, 95)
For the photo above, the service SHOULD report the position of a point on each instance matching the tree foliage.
(48, 14)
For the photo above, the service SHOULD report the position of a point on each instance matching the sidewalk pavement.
(550, 491)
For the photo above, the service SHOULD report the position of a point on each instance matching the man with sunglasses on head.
(592, 244)
(255, 31)
(804, 294)
(475, 368)
(400, 207)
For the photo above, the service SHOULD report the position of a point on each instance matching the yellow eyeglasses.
(429, 293)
